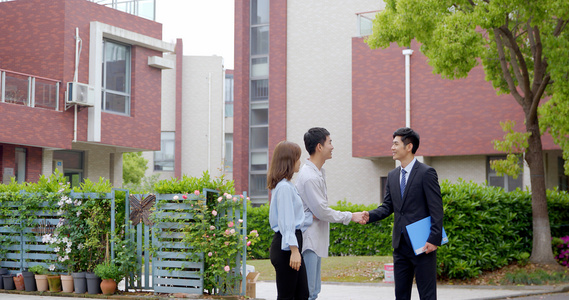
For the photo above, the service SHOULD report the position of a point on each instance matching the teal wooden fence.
(27, 250)
(167, 270)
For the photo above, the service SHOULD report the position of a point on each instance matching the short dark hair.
(408, 135)
(313, 137)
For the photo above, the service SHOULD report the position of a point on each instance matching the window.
(116, 78)
(72, 165)
(563, 179)
(508, 183)
(229, 95)
(228, 152)
(164, 159)
(259, 12)
(259, 90)
(20, 165)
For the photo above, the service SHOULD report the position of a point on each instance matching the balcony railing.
(142, 8)
(365, 22)
(25, 89)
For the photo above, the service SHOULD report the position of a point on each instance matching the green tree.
(133, 167)
(523, 48)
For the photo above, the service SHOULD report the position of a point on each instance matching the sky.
(205, 27)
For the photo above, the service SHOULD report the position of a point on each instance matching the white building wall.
(202, 115)
(469, 168)
(47, 162)
(319, 90)
(97, 163)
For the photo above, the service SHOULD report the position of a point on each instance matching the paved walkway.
(361, 291)
(374, 291)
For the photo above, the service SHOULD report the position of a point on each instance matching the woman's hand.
(295, 258)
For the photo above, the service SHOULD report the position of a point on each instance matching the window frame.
(128, 80)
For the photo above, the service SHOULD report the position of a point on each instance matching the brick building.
(115, 58)
(301, 64)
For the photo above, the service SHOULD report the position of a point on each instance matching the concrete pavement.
(372, 291)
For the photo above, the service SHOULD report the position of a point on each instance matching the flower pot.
(54, 282)
(79, 283)
(67, 283)
(93, 283)
(41, 283)
(8, 281)
(3, 271)
(19, 283)
(29, 281)
(108, 286)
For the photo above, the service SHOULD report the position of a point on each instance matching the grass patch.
(337, 268)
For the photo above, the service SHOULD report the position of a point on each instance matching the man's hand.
(429, 248)
(295, 258)
(360, 217)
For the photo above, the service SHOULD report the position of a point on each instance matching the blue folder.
(419, 233)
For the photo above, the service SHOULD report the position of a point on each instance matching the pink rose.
(209, 254)
(230, 224)
(240, 220)
(248, 243)
(220, 199)
(226, 268)
(185, 197)
(213, 212)
(196, 192)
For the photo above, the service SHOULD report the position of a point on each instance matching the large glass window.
(164, 159)
(228, 152)
(259, 90)
(508, 183)
(259, 102)
(259, 12)
(116, 78)
(260, 40)
(72, 165)
(229, 95)
(563, 179)
(20, 169)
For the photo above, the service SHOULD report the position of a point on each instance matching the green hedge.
(487, 228)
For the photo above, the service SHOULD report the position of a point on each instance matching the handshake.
(360, 217)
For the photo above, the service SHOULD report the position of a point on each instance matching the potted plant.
(19, 282)
(54, 280)
(41, 277)
(111, 274)
(29, 281)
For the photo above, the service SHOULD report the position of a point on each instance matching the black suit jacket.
(422, 198)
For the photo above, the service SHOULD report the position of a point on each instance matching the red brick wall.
(453, 117)
(277, 71)
(241, 97)
(33, 161)
(38, 39)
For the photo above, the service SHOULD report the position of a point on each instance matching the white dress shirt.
(311, 184)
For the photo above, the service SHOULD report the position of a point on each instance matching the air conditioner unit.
(80, 94)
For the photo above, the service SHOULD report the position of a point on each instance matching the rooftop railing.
(25, 89)
(142, 8)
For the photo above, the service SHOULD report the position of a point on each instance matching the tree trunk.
(541, 250)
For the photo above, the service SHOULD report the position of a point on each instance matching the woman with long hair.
(288, 219)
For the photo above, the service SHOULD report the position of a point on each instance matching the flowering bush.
(67, 239)
(219, 236)
(561, 250)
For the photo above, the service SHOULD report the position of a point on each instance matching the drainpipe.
(209, 124)
(407, 53)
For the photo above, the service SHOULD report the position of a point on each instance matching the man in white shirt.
(311, 185)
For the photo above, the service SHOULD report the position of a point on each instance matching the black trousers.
(408, 265)
(291, 284)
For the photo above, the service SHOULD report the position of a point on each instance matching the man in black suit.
(412, 193)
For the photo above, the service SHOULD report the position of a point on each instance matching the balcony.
(365, 22)
(28, 90)
(142, 8)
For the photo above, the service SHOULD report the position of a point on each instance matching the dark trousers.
(408, 265)
(291, 284)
